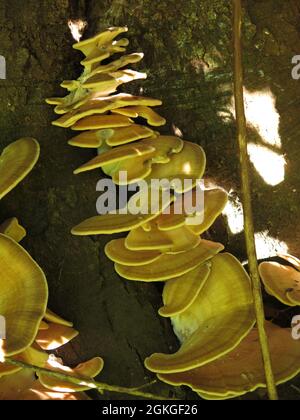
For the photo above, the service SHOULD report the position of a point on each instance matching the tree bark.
(188, 58)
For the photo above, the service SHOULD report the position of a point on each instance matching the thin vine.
(247, 206)
(88, 382)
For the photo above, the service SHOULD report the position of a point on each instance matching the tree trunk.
(187, 46)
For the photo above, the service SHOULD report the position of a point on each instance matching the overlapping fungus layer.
(31, 329)
(207, 295)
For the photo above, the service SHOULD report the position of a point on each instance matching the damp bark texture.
(188, 58)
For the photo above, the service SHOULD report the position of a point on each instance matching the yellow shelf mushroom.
(30, 327)
(13, 229)
(180, 293)
(241, 371)
(282, 281)
(24, 295)
(16, 161)
(206, 295)
(215, 323)
(170, 265)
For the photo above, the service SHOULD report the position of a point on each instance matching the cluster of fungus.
(207, 294)
(32, 330)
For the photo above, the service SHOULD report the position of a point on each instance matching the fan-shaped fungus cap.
(141, 167)
(142, 111)
(129, 134)
(223, 310)
(117, 223)
(117, 64)
(86, 371)
(99, 54)
(101, 104)
(72, 101)
(103, 38)
(56, 319)
(13, 229)
(135, 159)
(70, 85)
(117, 252)
(187, 165)
(31, 355)
(242, 371)
(12, 386)
(180, 293)
(165, 147)
(282, 282)
(92, 139)
(102, 121)
(215, 201)
(55, 336)
(106, 83)
(173, 240)
(6, 370)
(97, 86)
(178, 215)
(170, 219)
(169, 266)
(24, 295)
(43, 326)
(118, 155)
(24, 386)
(92, 105)
(140, 239)
(16, 161)
(294, 261)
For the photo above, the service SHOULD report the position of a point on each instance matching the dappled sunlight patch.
(86, 371)
(2, 354)
(55, 336)
(77, 28)
(262, 115)
(269, 164)
(233, 212)
(267, 246)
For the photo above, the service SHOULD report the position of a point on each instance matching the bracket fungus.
(13, 229)
(22, 307)
(16, 161)
(23, 385)
(207, 294)
(24, 295)
(215, 322)
(32, 331)
(180, 293)
(170, 265)
(282, 281)
(241, 371)
(30, 327)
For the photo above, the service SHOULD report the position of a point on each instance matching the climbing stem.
(88, 383)
(247, 206)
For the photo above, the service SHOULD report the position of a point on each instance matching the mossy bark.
(188, 58)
